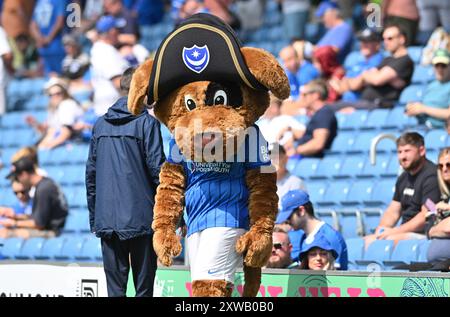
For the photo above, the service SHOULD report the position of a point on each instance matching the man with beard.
(281, 251)
(414, 186)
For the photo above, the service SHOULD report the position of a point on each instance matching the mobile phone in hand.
(431, 206)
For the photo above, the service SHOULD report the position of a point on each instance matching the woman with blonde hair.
(439, 233)
(317, 255)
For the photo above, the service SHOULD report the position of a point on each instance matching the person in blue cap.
(298, 211)
(319, 255)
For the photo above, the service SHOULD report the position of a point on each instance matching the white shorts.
(212, 253)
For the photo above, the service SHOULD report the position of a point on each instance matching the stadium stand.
(350, 193)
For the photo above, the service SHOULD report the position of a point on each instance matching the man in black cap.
(49, 209)
(369, 56)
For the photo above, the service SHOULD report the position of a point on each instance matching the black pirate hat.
(201, 48)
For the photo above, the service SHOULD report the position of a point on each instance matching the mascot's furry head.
(200, 71)
(202, 83)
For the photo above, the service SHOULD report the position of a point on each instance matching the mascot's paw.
(256, 247)
(167, 245)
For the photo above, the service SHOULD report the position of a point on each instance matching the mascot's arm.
(256, 244)
(168, 211)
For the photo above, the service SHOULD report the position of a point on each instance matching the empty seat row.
(345, 167)
(351, 222)
(382, 255)
(74, 248)
(63, 248)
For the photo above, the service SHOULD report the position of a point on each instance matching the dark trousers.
(117, 256)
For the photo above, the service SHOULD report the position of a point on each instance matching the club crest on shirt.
(196, 58)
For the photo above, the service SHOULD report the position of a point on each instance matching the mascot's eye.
(190, 103)
(220, 98)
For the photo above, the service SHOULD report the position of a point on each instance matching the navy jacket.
(122, 172)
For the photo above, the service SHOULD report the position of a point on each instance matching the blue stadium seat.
(39, 102)
(415, 52)
(91, 251)
(352, 121)
(382, 193)
(381, 164)
(370, 218)
(272, 19)
(17, 137)
(71, 249)
(51, 248)
(422, 74)
(436, 139)
(376, 119)
(31, 248)
(275, 33)
(11, 248)
(362, 142)
(342, 142)
(292, 163)
(312, 32)
(77, 197)
(306, 167)
(393, 169)
(398, 120)
(259, 35)
(405, 252)
(77, 222)
(352, 166)
(423, 250)
(56, 173)
(412, 93)
(350, 224)
(336, 192)
(74, 175)
(377, 252)
(328, 167)
(78, 153)
(355, 249)
(316, 190)
(359, 192)
(13, 120)
(329, 216)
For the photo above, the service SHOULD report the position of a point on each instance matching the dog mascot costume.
(209, 91)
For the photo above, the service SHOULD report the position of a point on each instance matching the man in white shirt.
(107, 65)
(5, 68)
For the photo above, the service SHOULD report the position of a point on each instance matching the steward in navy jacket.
(121, 185)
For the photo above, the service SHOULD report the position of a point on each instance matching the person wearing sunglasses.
(439, 233)
(434, 109)
(380, 86)
(23, 206)
(63, 113)
(281, 250)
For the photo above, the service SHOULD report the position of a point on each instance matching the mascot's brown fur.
(256, 244)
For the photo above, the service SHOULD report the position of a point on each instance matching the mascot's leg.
(213, 261)
(211, 288)
(252, 276)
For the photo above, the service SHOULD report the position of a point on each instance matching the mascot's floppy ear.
(139, 87)
(265, 68)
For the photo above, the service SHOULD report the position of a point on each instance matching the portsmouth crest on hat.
(196, 58)
(201, 48)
